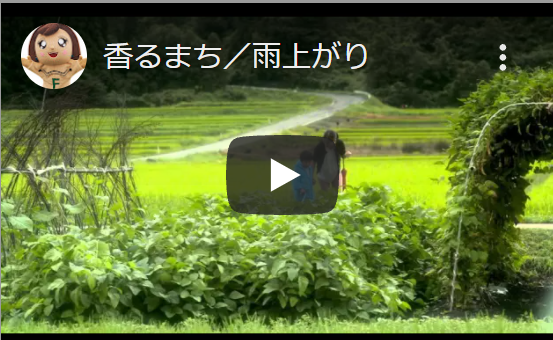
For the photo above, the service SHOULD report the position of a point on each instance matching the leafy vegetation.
(495, 196)
(368, 257)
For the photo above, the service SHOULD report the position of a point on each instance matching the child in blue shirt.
(303, 185)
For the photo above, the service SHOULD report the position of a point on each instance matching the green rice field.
(375, 128)
(188, 124)
(405, 145)
(420, 178)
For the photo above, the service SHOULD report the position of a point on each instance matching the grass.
(305, 325)
(540, 206)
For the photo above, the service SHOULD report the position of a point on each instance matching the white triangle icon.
(280, 175)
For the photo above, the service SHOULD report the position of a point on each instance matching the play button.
(266, 176)
(280, 175)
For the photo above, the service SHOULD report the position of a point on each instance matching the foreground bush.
(367, 257)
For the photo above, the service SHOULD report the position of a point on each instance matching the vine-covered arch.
(503, 132)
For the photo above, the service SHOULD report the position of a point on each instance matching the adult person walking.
(327, 156)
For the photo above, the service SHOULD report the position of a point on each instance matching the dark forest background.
(421, 62)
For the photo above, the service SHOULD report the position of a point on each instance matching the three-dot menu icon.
(502, 57)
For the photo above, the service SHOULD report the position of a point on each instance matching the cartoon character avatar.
(55, 55)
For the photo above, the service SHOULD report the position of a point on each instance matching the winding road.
(339, 102)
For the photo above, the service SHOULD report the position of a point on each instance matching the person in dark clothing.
(327, 156)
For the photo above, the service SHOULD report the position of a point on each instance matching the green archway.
(504, 131)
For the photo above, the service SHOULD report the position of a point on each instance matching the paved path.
(339, 102)
(536, 226)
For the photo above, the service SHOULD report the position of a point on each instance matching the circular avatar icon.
(53, 56)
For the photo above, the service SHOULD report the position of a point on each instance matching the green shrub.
(155, 99)
(137, 102)
(172, 97)
(113, 99)
(410, 148)
(488, 191)
(441, 146)
(370, 256)
(234, 95)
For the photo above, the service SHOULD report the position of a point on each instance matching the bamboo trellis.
(57, 161)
